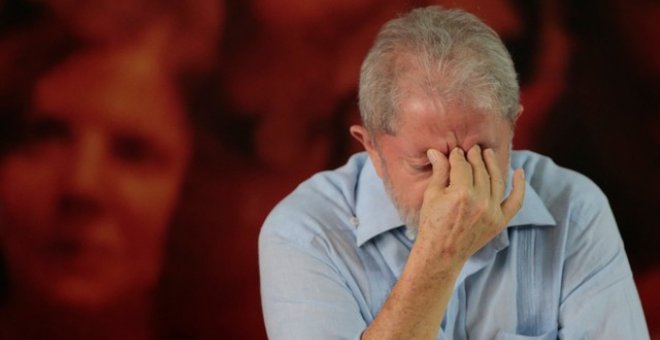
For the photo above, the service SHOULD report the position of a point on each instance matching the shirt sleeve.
(598, 299)
(303, 295)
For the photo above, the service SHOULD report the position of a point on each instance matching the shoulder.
(568, 195)
(322, 205)
(553, 182)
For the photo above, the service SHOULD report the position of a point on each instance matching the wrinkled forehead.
(427, 120)
(419, 97)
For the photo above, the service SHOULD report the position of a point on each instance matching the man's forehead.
(421, 107)
(417, 131)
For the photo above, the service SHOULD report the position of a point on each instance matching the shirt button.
(410, 234)
(355, 221)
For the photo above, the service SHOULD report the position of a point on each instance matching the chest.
(511, 288)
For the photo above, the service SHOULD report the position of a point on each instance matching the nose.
(86, 166)
(82, 195)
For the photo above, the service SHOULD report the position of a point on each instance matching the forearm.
(417, 303)
(462, 210)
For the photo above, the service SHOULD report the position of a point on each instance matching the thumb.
(440, 165)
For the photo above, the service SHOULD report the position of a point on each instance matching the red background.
(589, 76)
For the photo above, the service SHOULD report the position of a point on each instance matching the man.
(416, 240)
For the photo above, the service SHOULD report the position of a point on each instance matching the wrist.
(432, 261)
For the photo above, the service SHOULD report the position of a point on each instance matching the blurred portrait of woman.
(144, 142)
(98, 135)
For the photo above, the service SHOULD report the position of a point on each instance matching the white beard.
(409, 215)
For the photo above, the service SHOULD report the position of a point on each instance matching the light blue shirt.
(331, 252)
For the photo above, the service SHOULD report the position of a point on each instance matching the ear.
(368, 142)
(518, 114)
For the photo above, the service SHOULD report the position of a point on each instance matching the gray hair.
(459, 57)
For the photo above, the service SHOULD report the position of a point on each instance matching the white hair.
(457, 56)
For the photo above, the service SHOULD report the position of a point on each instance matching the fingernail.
(433, 157)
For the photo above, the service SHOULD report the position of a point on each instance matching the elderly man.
(414, 239)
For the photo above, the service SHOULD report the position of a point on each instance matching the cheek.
(418, 188)
(143, 209)
(145, 204)
(410, 190)
(28, 187)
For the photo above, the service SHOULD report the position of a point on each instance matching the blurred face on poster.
(88, 193)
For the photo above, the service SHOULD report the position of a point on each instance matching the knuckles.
(482, 207)
(463, 194)
(474, 207)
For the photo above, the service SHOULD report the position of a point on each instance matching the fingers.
(440, 166)
(512, 204)
(481, 177)
(460, 171)
(496, 179)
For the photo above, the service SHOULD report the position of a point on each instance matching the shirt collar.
(533, 210)
(377, 214)
(374, 208)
